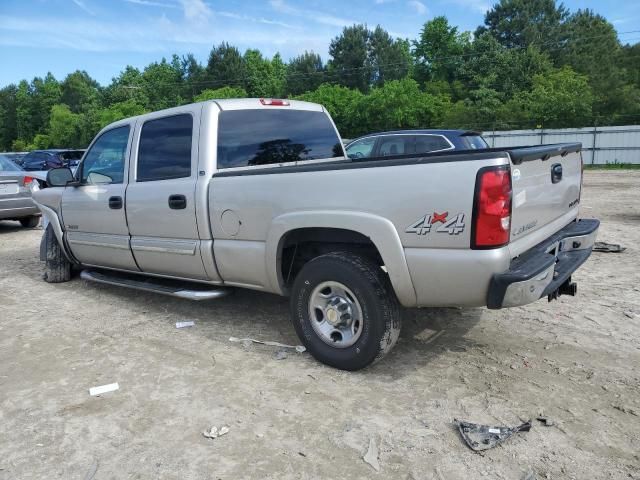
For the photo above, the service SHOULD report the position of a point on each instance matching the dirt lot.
(577, 360)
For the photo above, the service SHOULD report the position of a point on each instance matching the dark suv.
(48, 159)
(406, 142)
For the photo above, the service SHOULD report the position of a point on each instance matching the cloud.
(81, 4)
(196, 10)
(247, 18)
(418, 6)
(319, 17)
(480, 6)
(152, 3)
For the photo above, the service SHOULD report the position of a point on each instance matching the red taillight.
(274, 102)
(492, 208)
(28, 180)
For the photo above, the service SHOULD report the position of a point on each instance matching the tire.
(30, 222)
(339, 279)
(57, 267)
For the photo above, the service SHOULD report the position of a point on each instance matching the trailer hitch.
(567, 288)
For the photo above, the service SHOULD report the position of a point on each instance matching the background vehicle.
(16, 187)
(408, 142)
(16, 157)
(48, 159)
(257, 193)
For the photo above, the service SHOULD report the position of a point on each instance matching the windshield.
(7, 165)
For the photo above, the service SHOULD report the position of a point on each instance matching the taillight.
(27, 181)
(492, 208)
(274, 102)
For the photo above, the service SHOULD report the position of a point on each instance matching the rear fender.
(381, 231)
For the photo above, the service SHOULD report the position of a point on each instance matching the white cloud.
(152, 3)
(319, 17)
(480, 6)
(83, 6)
(196, 10)
(418, 6)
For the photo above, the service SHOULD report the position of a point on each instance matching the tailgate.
(546, 182)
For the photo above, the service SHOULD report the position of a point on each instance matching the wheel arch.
(355, 227)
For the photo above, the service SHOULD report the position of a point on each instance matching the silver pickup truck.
(259, 194)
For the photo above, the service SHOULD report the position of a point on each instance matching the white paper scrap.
(189, 323)
(93, 391)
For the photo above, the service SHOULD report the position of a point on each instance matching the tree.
(163, 85)
(79, 91)
(64, 128)
(558, 99)
(362, 58)
(438, 52)
(304, 73)
(8, 116)
(226, 67)
(342, 103)
(592, 48)
(520, 23)
(220, 93)
(264, 77)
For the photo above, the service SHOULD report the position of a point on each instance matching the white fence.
(599, 144)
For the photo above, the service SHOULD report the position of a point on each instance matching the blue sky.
(102, 36)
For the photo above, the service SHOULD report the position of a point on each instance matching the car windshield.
(7, 165)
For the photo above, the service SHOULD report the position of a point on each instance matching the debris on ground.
(547, 422)
(483, 437)
(297, 348)
(92, 470)
(188, 323)
(280, 355)
(215, 432)
(530, 475)
(371, 457)
(95, 391)
(608, 247)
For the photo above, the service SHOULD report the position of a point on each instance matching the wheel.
(57, 267)
(344, 310)
(30, 222)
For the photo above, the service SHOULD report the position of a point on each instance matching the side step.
(163, 286)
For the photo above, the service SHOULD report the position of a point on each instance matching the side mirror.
(59, 177)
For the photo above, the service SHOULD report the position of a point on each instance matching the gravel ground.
(576, 360)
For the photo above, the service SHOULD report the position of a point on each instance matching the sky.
(103, 36)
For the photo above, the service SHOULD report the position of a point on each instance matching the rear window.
(263, 137)
(473, 142)
(7, 165)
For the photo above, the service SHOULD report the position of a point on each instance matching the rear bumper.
(544, 270)
(17, 206)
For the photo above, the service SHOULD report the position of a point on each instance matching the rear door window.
(265, 137)
(391, 145)
(164, 151)
(430, 143)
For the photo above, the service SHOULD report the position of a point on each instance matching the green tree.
(163, 85)
(79, 91)
(220, 93)
(8, 116)
(264, 77)
(361, 58)
(304, 73)
(226, 67)
(342, 103)
(64, 128)
(438, 52)
(520, 23)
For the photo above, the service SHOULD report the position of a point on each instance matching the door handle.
(115, 203)
(556, 172)
(177, 202)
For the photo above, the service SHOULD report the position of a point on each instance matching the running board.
(163, 286)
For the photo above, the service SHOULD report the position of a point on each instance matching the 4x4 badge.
(452, 226)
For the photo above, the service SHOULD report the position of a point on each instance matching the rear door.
(391, 145)
(93, 212)
(161, 206)
(431, 143)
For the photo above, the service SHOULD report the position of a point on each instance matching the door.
(392, 145)
(161, 206)
(93, 212)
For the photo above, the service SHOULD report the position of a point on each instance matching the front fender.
(381, 231)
